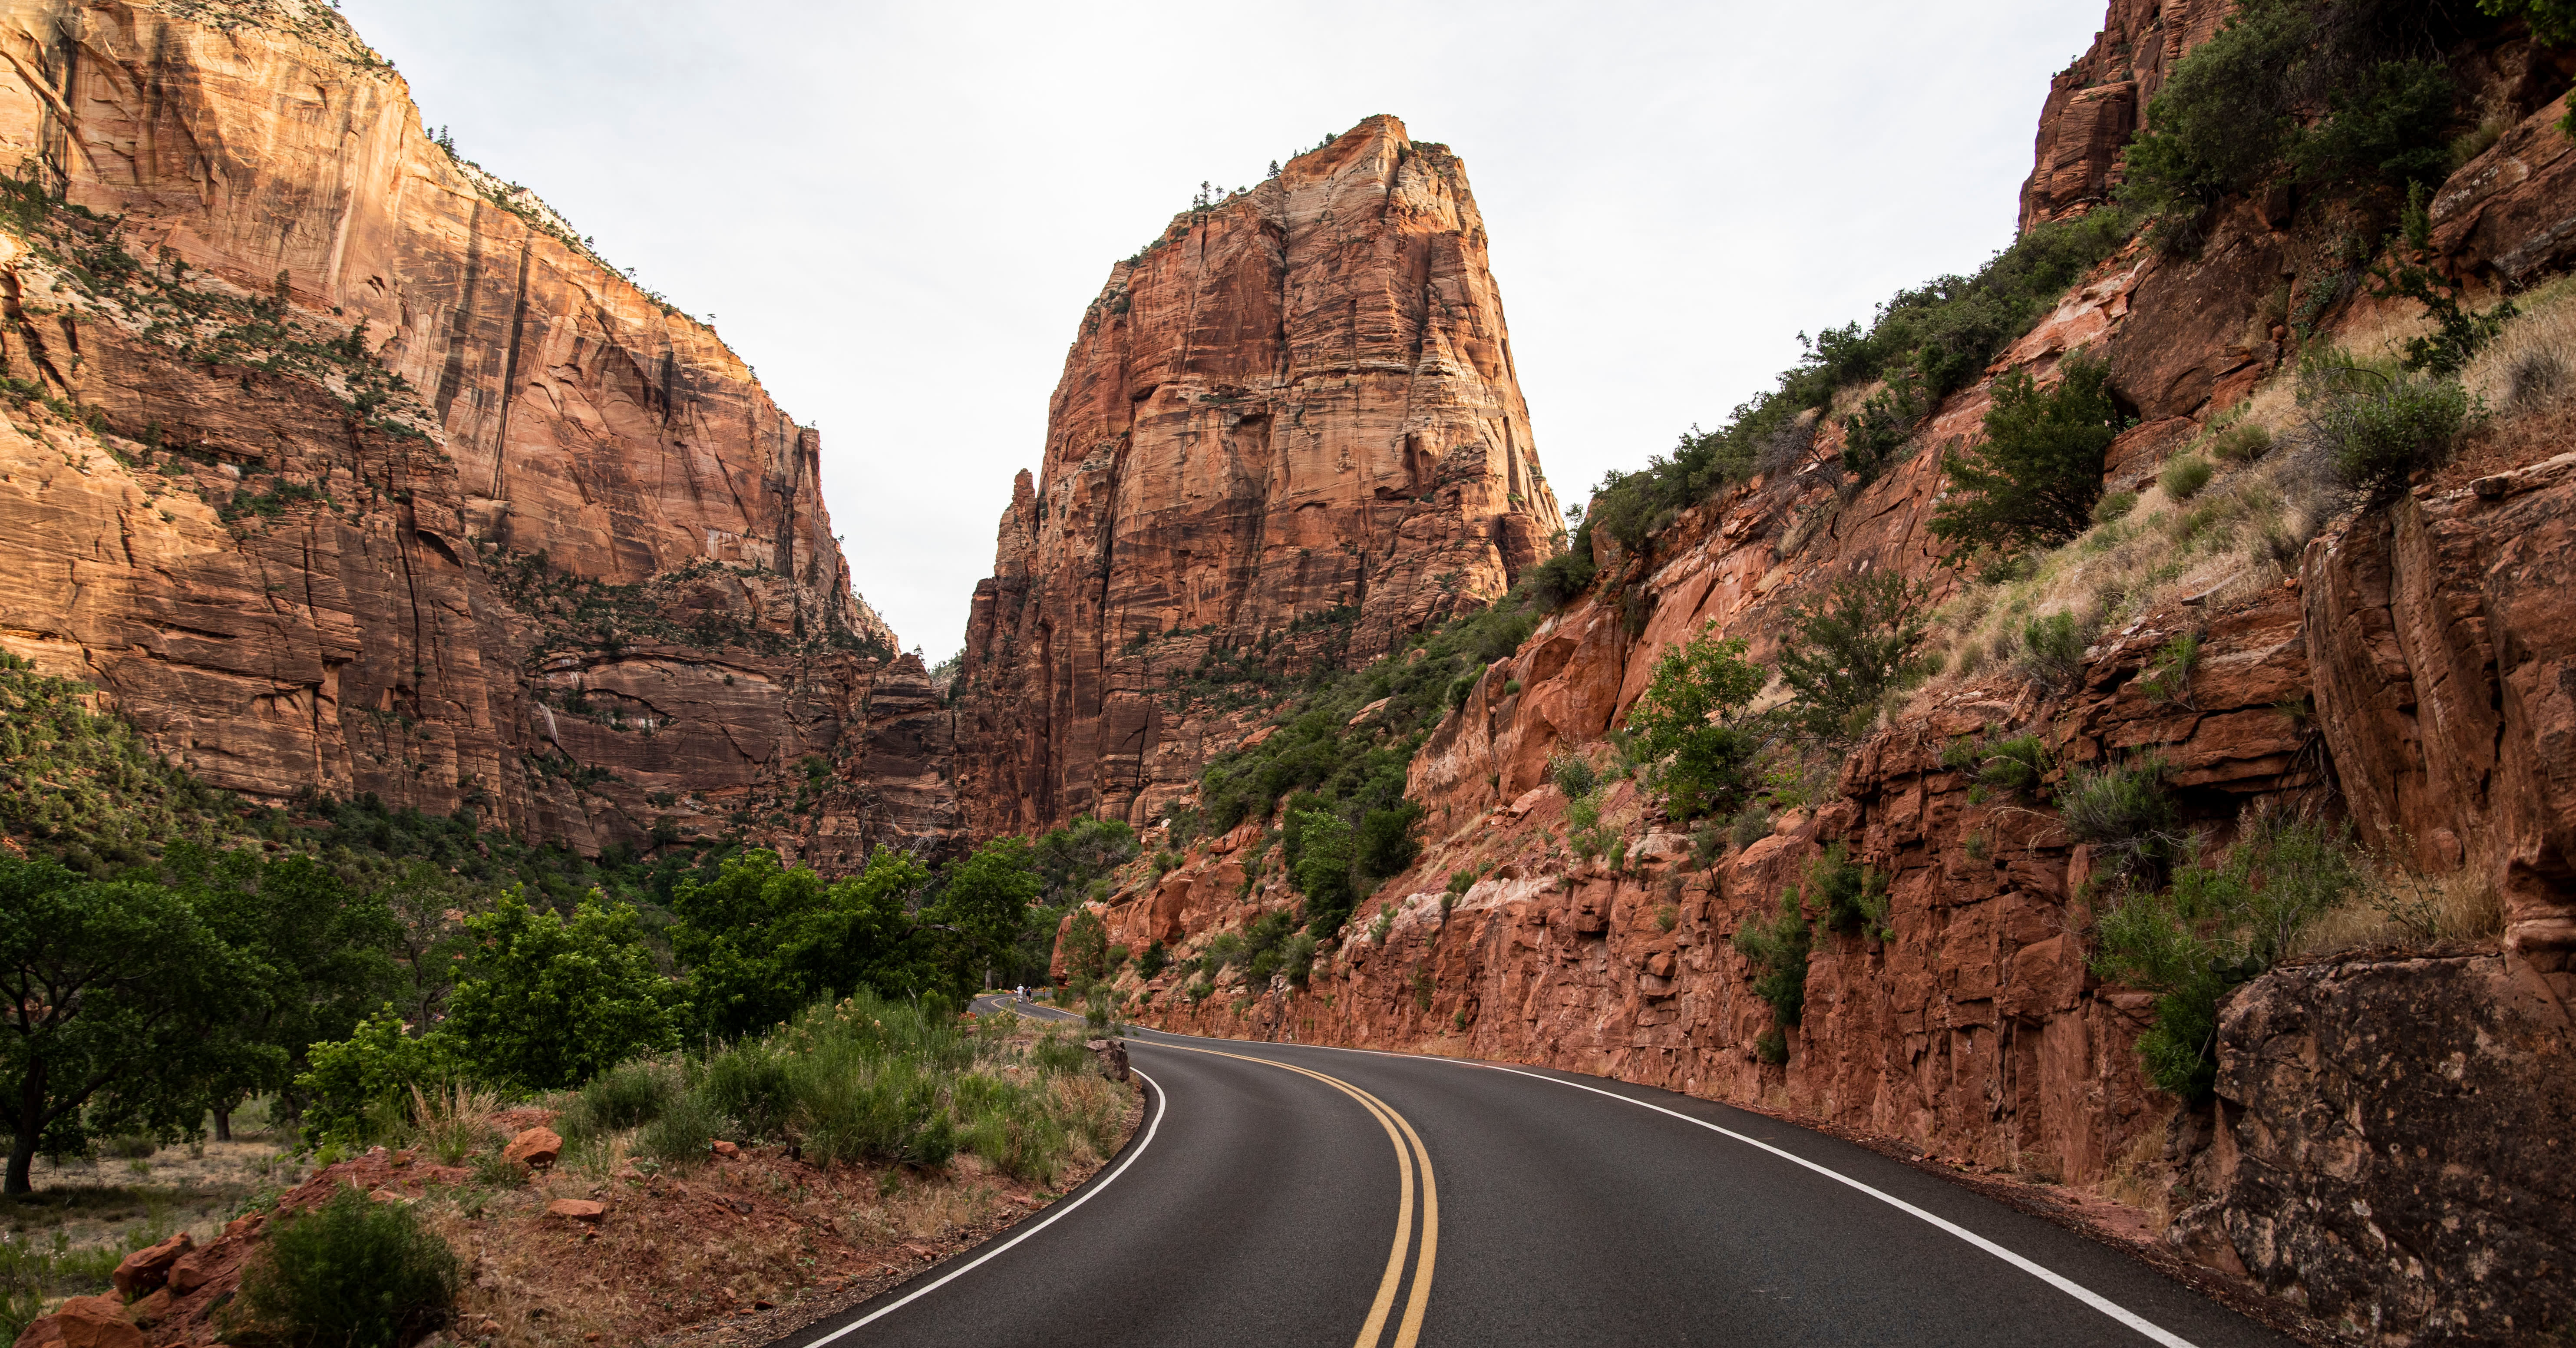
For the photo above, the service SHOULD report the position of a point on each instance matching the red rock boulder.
(536, 1148)
(144, 1270)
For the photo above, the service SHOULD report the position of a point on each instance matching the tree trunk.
(22, 1162)
(223, 1125)
(30, 1129)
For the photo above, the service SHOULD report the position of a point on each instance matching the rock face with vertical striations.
(341, 465)
(1288, 432)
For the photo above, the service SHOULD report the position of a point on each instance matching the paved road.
(1280, 1194)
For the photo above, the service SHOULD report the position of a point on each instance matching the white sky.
(897, 213)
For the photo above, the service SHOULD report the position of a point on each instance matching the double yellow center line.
(1409, 1155)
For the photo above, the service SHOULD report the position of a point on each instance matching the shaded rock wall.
(2394, 1155)
(1289, 431)
(531, 541)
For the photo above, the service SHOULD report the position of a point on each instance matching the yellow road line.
(1410, 1330)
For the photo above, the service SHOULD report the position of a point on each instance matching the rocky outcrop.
(2394, 1155)
(2099, 101)
(1288, 432)
(363, 474)
(2443, 632)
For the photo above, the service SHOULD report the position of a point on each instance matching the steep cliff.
(2379, 1153)
(343, 466)
(1288, 432)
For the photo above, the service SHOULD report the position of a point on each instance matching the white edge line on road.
(1152, 1125)
(2062, 1283)
(2047, 1275)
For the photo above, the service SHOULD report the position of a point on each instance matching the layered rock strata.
(1289, 431)
(363, 474)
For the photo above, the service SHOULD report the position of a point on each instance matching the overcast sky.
(896, 213)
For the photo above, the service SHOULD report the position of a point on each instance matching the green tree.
(550, 1003)
(1086, 947)
(2222, 121)
(1854, 645)
(375, 1066)
(1386, 842)
(981, 910)
(1068, 859)
(762, 940)
(103, 985)
(317, 960)
(1690, 725)
(2035, 479)
(1323, 870)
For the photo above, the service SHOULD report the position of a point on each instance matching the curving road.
(1280, 1194)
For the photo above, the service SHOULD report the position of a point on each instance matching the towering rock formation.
(343, 466)
(1288, 431)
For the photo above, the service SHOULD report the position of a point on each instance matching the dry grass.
(2141, 1179)
(2531, 365)
(2239, 533)
(2406, 909)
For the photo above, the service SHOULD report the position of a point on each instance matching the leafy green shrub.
(377, 1065)
(1778, 952)
(749, 1085)
(2018, 764)
(352, 1273)
(629, 1095)
(1690, 725)
(1297, 957)
(1059, 1054)
(2227, 121)
(1876, 433)
(1086, 947)
(2379, 428)
(680, 1134)
(1854, 897)
(1557, 582)
(1572, 773)
(1386, 844)
(2214, 927)
(2243, 442)
(2052, 650)
(1749, 826)
(2114, 506)
(1153, 961)
(1323, 869)
(2183, 478)
(2221, 122)
(1851, 648)
(2124, 811)
(2033, 481)
(2167, 677)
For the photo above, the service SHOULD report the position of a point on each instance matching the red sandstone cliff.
(1288, 431)
(393, 486)
(2382, 1146)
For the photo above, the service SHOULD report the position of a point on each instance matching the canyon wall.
(2383, 1153)
(1288, 432)
(343, 466)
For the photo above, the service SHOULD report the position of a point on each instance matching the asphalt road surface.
(1279, 1194)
